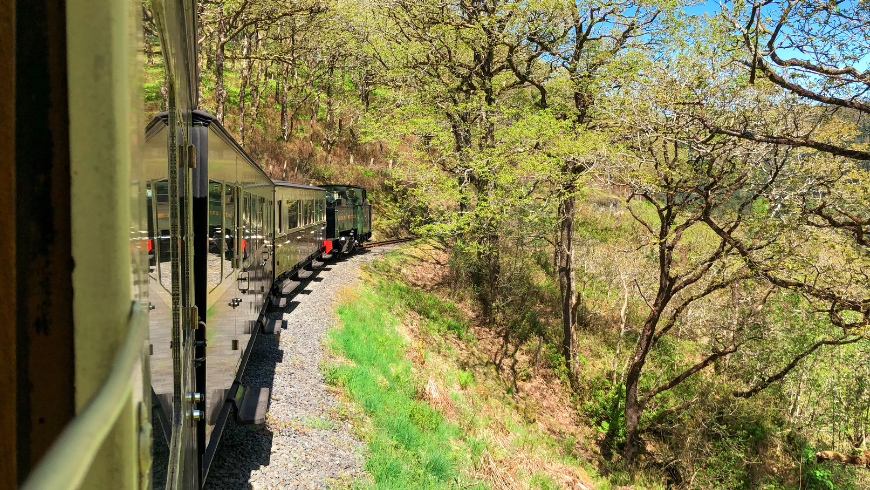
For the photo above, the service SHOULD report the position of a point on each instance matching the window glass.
(292, 214)
(309, 211)
(318, 209)
(280, 221)
(160, 215)
(261, 222)
(246, 225)
(269, 218)
(229, 228)
(215, 234)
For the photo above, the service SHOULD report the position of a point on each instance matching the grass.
(411, 445)
(429, 419)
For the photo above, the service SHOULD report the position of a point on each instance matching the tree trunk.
(279, 84)
(633, 408)
(149, 50)
(246, 76)
(565, 268)
(255, 92)
(199, 83)
(220, 92)
(284, 126)
(164, 93)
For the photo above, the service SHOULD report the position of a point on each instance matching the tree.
(455, 57)
(811, 49)
(706, 202)
(227, 19)
(584, 41)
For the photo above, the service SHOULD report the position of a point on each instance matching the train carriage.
(348, 217)
(300, 226)
(232, 271)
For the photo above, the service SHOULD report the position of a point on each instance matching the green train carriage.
(348, 217)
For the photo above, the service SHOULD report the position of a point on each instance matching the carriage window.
(258, 222)
(292, 214)
(215, 234)
(261, 222)
(318, 209)
(160, 215)
(252, 241)
(280, 212)
(307, 211)
(270, 219)
(246, 225)
(229, 229)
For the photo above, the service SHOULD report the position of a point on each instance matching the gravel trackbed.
(305, 443)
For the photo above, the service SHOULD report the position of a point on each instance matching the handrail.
(69, 459)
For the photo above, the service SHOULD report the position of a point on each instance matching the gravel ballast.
(305, 442)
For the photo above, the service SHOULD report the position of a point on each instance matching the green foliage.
(410, 443)
(605, 407)
(465, 378)
(442, 316)
(544, 482)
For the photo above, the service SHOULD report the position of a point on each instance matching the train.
(254, 240)
(139, 260)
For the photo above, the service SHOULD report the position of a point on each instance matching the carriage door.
(184, 465)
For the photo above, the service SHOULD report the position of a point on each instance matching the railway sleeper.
(274, 326)
(304, 274)
(279, 303)
(289, 286)
(251, 405)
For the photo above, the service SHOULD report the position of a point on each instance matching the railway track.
(388, 242)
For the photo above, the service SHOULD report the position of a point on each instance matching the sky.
(713, 7)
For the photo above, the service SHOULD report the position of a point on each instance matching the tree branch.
(784, 371)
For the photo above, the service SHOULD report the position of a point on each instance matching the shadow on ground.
(242, 448)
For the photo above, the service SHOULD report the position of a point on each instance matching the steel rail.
(67, 463)
(388, 242)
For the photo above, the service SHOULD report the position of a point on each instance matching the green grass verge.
(411, 445)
